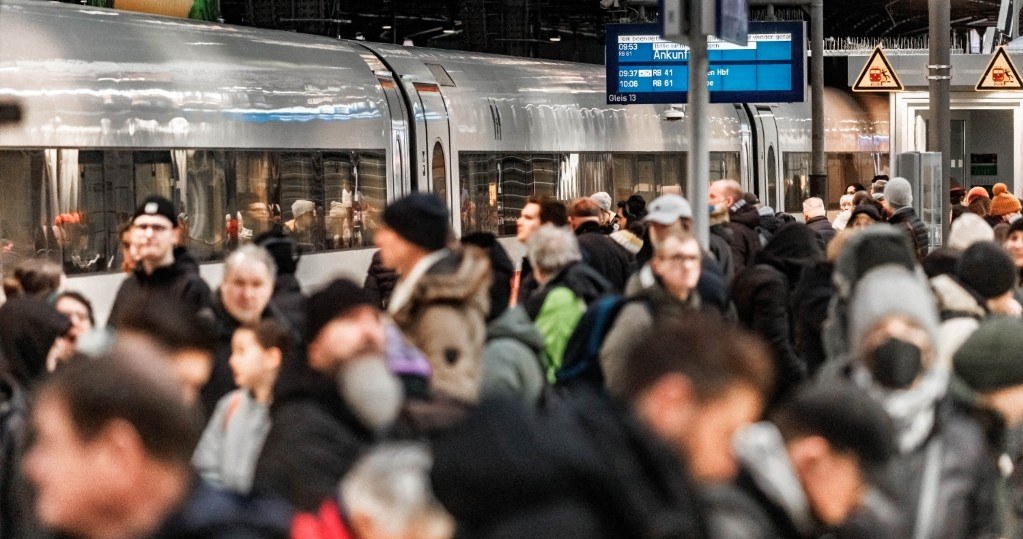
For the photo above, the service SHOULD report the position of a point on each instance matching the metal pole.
(939, 79)
(819, 167)
(698, 167)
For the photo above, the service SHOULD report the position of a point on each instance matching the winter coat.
(314, 438)
(961, 313)
(720, 246)
(512, 358)
(501, 473)
(605, 255)
(822, 227)
(445, 317)
(744, 220)
(632, 325)
(557, 307)
(208, 512)
(905, 219)
(227, 452)
(179, 281)
(712, 287)
(17, 515)
(290, 301)
(809, 307)
(761, 294)
(380, 280)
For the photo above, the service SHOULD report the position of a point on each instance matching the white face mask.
(373, 393)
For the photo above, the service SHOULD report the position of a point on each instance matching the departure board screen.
(644, 68)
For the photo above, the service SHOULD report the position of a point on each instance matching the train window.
(851, 167)
(583, 174)
(772, 178)
(68, 204)
(480, 199)
(439, 177)
(796, 167)
(724, 165)
(648, 175)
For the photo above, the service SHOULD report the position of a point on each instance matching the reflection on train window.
(439, 173)
(495, 187)
(851, 167)
(68, 204)
(724, 166)
(797, 180)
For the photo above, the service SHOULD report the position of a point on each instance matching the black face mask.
(895, 364)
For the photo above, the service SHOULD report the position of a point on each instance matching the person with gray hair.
(567, 286)
(243, 299)
(898, 205)
(816, 218)
(388, 494)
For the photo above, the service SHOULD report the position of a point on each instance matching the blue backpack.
(581, 362)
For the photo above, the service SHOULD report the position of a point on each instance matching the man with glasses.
(158, 273)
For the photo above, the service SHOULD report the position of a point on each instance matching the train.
(246, 128)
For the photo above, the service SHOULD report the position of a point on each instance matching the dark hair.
(714, 355)
(38, 276)
(272, 334)
(844, 415)
(551, 210)
(981, 206)
(80, 299)
(139, 389)
(857, 185)
(174, 326)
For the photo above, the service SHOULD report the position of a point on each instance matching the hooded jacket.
(744, 220)
(445, 317)
(605, 255)
(180, 281)
(512, 358)
(761, 296)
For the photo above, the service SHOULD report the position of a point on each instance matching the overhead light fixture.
(385, 27)
(359, 36)
(408, 43)
(449, 27)
(555, 37)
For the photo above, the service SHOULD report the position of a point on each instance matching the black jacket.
(744, 220)
(823, 228)
(179, 281)
(605, 255)
(208, 512)
(290, 301)
(809, 306)
(587, 469)
(905, 219)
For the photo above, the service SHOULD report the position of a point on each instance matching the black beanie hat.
(157, 205)
(332, 302)
(1016, 226)
(501, 268)
(987, 269)
(420, 218)
(989, 359)
(283, 248)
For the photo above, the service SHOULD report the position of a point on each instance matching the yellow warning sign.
(1000, 74)
(877, 75)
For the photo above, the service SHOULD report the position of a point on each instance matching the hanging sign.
(878, 75)
(1000, 74)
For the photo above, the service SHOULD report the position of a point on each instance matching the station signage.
(644, 68)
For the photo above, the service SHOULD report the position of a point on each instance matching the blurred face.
(846, 205)
(897, 351)
(528, 221)
(851, 190)
(193, 369)
(153, 237)
(246, 291)
(356, 334)
(718, 194)
(677, 263)
(832, 481)
(862, 221)
(78, 313)
(71, 476)
(246, 358)
(397, 252)
(708, 442)
(129, 253)
(1014, 245)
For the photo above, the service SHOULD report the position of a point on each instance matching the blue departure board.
(644, 68)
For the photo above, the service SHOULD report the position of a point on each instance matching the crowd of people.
(792, 378)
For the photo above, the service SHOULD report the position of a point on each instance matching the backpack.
(581, 362)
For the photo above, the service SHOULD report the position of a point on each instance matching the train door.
(766, 161)
(433, 143)
(401, 183)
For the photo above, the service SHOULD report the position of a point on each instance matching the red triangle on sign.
(877, 75)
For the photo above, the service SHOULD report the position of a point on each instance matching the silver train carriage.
(243, 127)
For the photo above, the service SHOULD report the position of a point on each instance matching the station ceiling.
(560, 29)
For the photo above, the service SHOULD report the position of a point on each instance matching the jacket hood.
(745, 213)
(462, 277)
(515, 324)
(867, 249)
(28, 329)
(968, 229)
(954, 300)
(794, 247)
(761, 450)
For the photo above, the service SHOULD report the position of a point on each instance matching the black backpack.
(581, 362)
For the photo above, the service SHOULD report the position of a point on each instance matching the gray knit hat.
(898, 192)
(891, 290)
